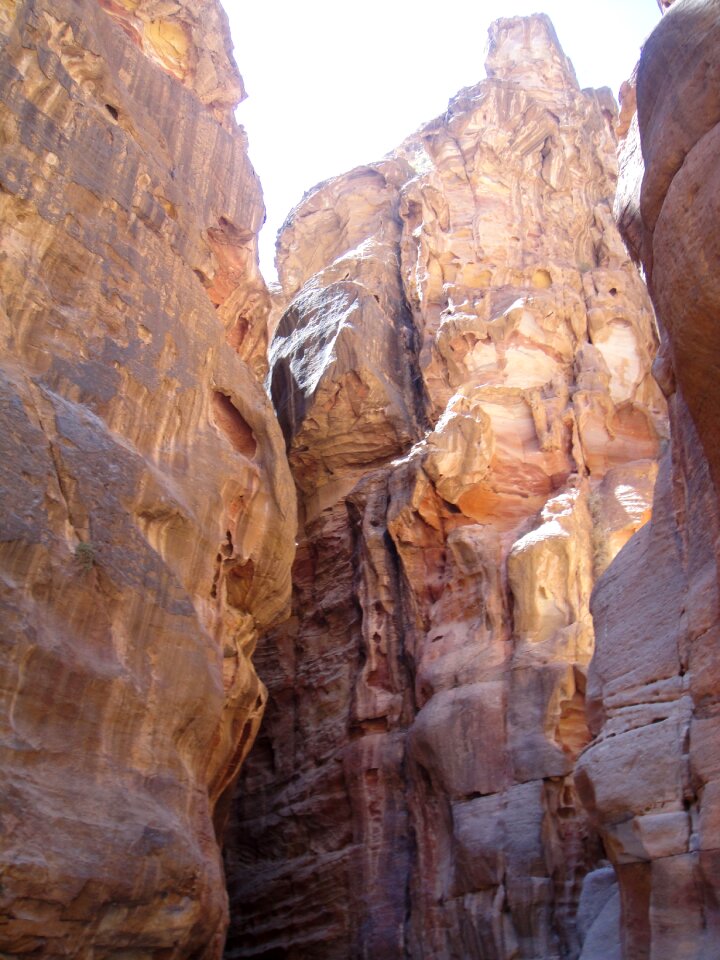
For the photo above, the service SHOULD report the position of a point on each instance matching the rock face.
(462, 375)
(148, 513)
(652, 778)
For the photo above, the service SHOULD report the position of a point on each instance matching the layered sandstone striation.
(462, 375)
(652, 776)
(148, 513)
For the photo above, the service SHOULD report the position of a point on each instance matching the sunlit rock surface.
(652, 778)
(462, 375)
(148, 514)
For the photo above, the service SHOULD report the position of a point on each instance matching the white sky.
(334, 84)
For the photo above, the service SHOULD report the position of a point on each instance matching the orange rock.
(651, 776)
(148, 514)
(462, 373)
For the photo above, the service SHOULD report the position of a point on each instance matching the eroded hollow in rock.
(234, 425)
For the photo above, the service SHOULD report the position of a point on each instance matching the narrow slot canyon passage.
(371, 613)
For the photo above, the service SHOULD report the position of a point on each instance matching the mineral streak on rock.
(148, 511)
(462, 375)
(652, 777)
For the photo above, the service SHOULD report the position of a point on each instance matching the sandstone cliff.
(652, 777)
(462, 375)
(148, 514)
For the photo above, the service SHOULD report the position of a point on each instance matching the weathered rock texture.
(148, 514)
(462, 374)
(652, 778)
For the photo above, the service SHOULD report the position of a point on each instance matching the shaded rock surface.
(652, 777)
(148, 513)
(462, 375)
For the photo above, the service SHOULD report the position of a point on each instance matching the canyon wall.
(652, 777)
(462, 375)
(148, 513)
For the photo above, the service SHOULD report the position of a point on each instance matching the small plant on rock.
(85, 556)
